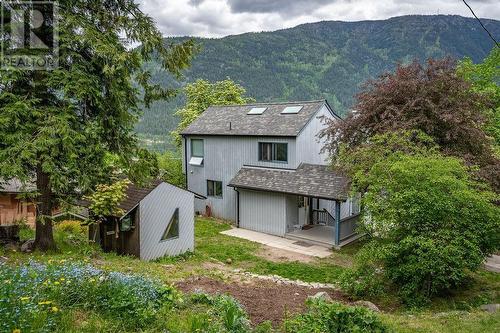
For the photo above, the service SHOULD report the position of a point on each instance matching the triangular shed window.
(172, 230)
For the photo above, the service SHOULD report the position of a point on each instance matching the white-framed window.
(214, 188)
(197, 152)
(273, 152)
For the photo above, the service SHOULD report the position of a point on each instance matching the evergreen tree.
(59, 126)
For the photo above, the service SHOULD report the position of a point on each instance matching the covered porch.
(326, 234)
(310, 204)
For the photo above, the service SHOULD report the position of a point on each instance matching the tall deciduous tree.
(201, 94)
(57, 127)
(431, 98)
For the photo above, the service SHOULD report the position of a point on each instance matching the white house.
(262, 166)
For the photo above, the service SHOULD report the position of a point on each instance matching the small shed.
(157, 220)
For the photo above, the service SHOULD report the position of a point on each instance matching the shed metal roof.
(235, 120)
(309, 180)
(14, 185)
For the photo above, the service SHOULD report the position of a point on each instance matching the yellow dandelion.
(17, 330)
(62, 260)
(56, 282)
(44, 302)
(54, 309)
(25, 298)
(62, 279)
(7, 281)
(68, 282)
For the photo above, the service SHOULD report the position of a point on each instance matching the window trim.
(221, 196)
(274, 152)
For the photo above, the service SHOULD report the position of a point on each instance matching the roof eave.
(246, 187)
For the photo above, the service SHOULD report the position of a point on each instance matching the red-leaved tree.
(431, 98)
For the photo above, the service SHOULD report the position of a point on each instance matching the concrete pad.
(279, 242)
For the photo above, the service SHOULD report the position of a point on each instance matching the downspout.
(185, 161)
(237, 207)
(337, 222)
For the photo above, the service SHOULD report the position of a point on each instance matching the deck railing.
(348, 226)
(322, 217)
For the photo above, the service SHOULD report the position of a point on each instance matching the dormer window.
(292, 109)
(197, 152)
(257, 111)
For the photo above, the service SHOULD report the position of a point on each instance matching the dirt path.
(263, 300)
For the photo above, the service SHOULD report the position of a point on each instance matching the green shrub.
(334, 317)
(226, 310)
(430, 222)
(71, 227)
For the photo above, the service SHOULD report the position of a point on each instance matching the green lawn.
(451, 313)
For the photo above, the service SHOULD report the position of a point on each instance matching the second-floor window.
(273, 152)
(197, 152)
(214, 188)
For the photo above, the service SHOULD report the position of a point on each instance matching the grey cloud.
(276, 6)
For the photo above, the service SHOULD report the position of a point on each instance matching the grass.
(443, 322)
(211, 244)
(449, 313)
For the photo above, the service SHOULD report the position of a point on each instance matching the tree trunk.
(44, 239)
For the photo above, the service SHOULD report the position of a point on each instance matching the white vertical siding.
(156, 210)
(308, 143)
(224, 157)
(263, 212)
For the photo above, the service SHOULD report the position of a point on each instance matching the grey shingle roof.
(234, 120)
(308, 180)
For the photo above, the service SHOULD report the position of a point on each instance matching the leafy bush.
(334, 317)
(71, 227)
(32, 296)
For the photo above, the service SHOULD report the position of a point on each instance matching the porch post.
(337, 222)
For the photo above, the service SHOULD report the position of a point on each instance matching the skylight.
(257, 111)
(291, 109)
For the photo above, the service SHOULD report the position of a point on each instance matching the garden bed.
(262, 300)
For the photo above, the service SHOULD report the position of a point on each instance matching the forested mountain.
(328, 59)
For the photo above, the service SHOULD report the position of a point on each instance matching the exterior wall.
(224, 156)
(263, 212)
(309, 144)
(13, 210)
(155, 211)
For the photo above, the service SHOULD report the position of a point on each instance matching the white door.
(303, 204)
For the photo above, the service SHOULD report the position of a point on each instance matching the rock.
(491, 308)
(368, 305)
(229, 261)
(322, 295)
(28, 245)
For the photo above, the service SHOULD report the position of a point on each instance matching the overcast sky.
(217, 18)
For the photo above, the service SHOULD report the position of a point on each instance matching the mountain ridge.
(321, 60)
